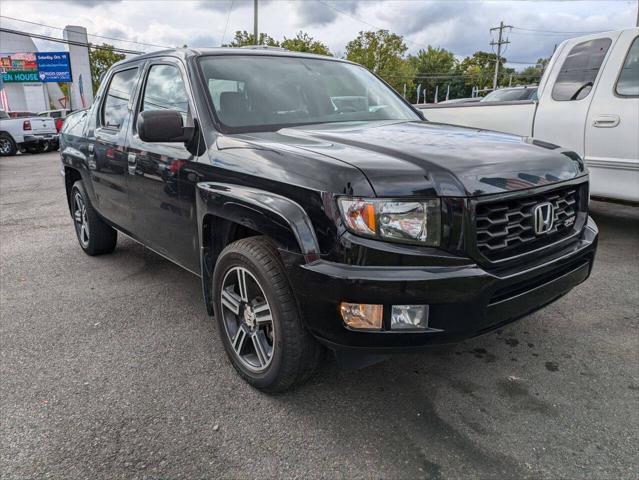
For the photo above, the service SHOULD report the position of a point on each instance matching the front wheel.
(94, 235)
(258, 318)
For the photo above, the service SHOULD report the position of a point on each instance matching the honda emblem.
(543, 217)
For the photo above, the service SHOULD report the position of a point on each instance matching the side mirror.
(163, 126)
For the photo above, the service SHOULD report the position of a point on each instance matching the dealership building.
(31, 79)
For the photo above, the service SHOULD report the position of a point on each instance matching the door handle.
(132, 162)
(606, 121)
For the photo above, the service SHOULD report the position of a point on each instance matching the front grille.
(505, 228)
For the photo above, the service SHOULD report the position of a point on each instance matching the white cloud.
(460, 26)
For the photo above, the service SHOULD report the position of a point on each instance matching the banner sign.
(54, 66)
(35, 67)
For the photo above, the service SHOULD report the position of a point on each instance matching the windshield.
(253, 93)
(509, 95)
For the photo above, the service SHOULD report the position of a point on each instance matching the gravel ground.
(110, 368)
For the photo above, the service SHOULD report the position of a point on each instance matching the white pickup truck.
(588, 101)
(27, 134)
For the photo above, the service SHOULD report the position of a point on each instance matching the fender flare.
(281, 218)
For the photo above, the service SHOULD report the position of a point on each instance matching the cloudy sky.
(460, 26)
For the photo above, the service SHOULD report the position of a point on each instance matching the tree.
(382, 52)
(434, 67)
(479, 69)
(243, 38)
(101, 59)
(303, 42)
(532, 74)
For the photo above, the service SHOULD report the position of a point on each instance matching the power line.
(228, 17)
(556, 31)
(365, 22)
(88, 34)
(70, 42)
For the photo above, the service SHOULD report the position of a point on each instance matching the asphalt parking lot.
(110, 368)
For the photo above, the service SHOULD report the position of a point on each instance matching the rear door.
(612, 127)
(564, 102)
(156, 171)
(106, 155)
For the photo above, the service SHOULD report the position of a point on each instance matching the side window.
(165, 90)
(119, 93)
(579, 71)
(628, 82)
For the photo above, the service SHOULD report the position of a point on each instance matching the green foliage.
(101, 59)
(532, 74)
(479, 69)
(382, 52)
(243, 38)
(432, 68)
(303, 42)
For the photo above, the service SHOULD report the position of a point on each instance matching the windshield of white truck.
(253, 93)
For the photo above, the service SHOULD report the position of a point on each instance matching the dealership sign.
(35, 67)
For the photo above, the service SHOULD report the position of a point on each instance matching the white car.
(588, 101)
(27, 134)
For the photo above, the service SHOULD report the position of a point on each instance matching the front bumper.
(465, 301)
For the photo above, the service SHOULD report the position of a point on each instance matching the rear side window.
(628, 82)
(165, 90)
(579, 71)
(117, 99)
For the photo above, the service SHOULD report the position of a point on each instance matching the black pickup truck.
(319, 208)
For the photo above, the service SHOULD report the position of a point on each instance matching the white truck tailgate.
(42, 125)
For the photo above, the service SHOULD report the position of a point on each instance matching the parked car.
(511, 94)
(30, 134)
(457, 100)
(58, 116)
(588, 103)
(315, 221)
(21, 114)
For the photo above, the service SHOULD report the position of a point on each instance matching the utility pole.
(499, 43)
(257, 40)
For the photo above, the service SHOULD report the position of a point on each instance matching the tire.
(95, 236)
(7, 145)
(274, 355)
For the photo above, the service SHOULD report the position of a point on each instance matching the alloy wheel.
(5, 146)
(247, 319)
(81, 220)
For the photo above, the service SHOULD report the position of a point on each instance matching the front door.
(162, 219)
(564, 101)
(612, 126)
(106, 156)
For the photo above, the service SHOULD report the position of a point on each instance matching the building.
(29, 94)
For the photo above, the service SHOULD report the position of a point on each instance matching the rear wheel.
(258, 318)
(7, 145)
(94, 235)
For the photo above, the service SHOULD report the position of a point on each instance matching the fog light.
(361, 315)
(409, 317)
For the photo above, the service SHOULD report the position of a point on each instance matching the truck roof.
(257, 50)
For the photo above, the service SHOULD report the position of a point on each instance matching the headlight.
(406, 222)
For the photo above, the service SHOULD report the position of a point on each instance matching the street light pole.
(257, 40)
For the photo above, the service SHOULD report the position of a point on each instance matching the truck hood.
(429, 159)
